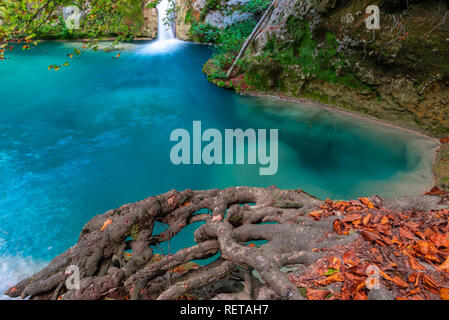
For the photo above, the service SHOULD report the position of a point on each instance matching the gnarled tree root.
(237, 215)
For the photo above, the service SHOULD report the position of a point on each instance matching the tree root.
(238, 215)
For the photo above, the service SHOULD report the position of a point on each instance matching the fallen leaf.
(444, 294)
(414, 264)
(431, 281)
(330, 272)
(370, 235)
(366, 219)
(386, 276)
(360, 296)
(313, 294)
(337, 277)
(423, 247)
(445, 265)
(105, 224)
(316, 214)
(398, 280)
(366, 202)
(406, 234)
(352, 217)
(350, 259)
(384, 220)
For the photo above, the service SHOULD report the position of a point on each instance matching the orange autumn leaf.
(352, 217)
(384, 220)
(432, 257)
(336, 277)
(105, 224)
(440, 240)
(414, 291)
(398, 280)
(316, 214)
(414, 264)
(406, 234)
(412, 277)
(334, 263)
(360, 296)
(338, 226)
(354, 208)
(361, 285)
(350, 259)
(366, 202)
(445, 265)
(366, 219)
(444, 294)
(431, 281)
(423, 247)
(313, 294)
(386, 276)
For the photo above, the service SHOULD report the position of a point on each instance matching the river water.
(96, 134)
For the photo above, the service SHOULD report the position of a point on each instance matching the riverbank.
(440, 151)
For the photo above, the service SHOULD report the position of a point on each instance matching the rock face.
(191, 11)
(221, 20)
(187, 11)
(323, 50)
(150, 25)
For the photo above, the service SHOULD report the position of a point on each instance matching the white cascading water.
(166, 40)
(164, 32)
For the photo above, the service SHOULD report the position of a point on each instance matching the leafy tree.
(22, 22)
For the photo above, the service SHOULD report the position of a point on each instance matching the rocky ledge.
(322, 50)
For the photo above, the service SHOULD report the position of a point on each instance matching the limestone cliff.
(218, 14)
(150, 24)
(322, 49)
(186, 12)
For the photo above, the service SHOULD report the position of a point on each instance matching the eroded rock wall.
(399, 73)
(150, 25)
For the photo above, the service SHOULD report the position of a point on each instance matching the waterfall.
(166, 40)
(164, 32)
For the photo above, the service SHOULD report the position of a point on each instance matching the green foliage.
(24, 19)
(256, 6)
(188, 18)
(153, 4)
(204, 32)
(228, 42)
(325, 62)
(209, 6)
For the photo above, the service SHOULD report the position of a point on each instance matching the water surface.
(95, 135)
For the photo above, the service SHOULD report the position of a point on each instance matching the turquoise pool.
(95, 135)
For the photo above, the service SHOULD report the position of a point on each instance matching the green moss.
(209, 6)
(323, 61)
(227, 44)
(189, 17)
